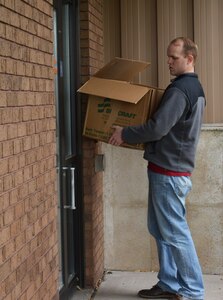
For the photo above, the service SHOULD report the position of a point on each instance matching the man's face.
(177, 61)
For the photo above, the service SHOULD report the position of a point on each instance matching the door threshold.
(75, 293)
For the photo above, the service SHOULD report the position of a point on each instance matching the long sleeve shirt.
(171, 135)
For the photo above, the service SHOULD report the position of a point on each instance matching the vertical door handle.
(73, 203)
(64, 174)
(71, 187)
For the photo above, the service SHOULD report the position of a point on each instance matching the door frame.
(75, 83)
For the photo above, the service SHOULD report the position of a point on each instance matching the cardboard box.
(114, 100)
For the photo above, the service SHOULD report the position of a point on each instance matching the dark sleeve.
(171, 109)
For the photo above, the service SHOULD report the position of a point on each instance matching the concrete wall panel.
(128, 245)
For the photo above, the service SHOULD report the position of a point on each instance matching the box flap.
(118, 90)
(121, 69)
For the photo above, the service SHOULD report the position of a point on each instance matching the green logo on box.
(105, 106)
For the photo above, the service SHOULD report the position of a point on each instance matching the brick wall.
(91, 25)
(28, 240)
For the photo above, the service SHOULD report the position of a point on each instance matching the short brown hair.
(189, 47)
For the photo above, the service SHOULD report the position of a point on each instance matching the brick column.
(92, 56)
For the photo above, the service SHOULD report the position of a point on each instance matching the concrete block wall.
(128, 245)
(91, 41)
(205, 203)
(28, 204)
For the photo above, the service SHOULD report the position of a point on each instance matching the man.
(171, 138)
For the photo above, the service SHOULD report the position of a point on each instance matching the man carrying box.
(170, 139)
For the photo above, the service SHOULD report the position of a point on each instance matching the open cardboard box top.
(113, 99)
(113, 81)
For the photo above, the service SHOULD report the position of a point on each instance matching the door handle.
(72, 205)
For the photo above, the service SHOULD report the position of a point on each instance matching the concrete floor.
(118, 285)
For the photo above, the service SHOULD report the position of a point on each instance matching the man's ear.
(190, 59)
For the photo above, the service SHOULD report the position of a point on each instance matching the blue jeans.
(180, 271)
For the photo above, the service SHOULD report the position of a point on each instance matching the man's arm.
(170, 111)
(172, 108)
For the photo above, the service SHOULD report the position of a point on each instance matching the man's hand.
(116, 138)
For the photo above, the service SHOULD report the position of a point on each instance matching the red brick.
(17, 146)
(3, 102)
(27, 114)
(20, 240)
(7, 148)
(21, 271)
(16, 291)
(5, 269)
(13, 164)
(22, 131)
(19, 211)
(21, 68)
(22, 98)
(13, 196)
(8, 250)
(12, 99)
(30, 291)
(8, 215)
(22, 160)
(5, 235)
(4, 201)
(27, 143)
(18, 178)
(8, 182)
(25, 84)
(12, 131)
(2, 30)
(2, 65)
(4, 166)
(30, 232)
(10, 67)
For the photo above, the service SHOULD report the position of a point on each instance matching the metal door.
(69, 167)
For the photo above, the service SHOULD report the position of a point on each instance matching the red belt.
(157, 169)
